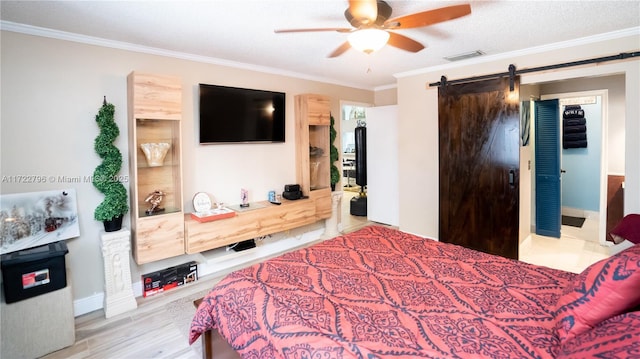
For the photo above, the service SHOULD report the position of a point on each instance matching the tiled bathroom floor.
(575, 250)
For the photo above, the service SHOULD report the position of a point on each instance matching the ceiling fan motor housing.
(384, 12)
(372, 28)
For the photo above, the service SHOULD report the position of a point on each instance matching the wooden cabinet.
(155, 150)
(248, 224)
(155, 113)
(313, 121)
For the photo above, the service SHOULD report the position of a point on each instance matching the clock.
(201, 202)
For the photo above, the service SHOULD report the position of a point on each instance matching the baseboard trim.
(88, 304)
(96, 301)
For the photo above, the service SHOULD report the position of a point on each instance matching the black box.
(292, 195)
(291, 187)
(34, 271)
(244, 245)
(168, 278)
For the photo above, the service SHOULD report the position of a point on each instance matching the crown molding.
(121, 45)
(634, 31)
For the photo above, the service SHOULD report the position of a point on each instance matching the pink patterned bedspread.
(382, 293)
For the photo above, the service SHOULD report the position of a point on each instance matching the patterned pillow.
(605, 289)
(628, 228)
(616, 337)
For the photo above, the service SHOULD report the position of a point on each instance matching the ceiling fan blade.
(338, 29)
(340, 50)
(403, 42)
(428, 17)
(364, 12)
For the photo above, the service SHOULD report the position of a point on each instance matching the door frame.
(604, 93)
(339, 129)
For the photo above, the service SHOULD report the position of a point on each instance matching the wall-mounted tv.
(239, 115)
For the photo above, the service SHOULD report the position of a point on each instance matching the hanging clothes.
(574, 127)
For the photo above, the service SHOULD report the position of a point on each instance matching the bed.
(382, 293)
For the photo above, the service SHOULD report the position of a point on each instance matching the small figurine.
(154, 198)
(244, 198)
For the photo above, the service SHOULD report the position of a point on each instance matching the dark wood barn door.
(479, 166)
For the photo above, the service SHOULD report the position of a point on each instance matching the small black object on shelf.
(244, 245)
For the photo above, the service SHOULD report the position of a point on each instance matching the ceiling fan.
(372, 29)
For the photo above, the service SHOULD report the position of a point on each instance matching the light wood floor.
(150, 332)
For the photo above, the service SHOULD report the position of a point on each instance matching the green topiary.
(333, 154)
(105, 179)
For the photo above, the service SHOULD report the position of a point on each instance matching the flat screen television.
(240, 115)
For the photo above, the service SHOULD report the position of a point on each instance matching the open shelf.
(313, 122)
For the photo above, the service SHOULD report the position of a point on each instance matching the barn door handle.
(512, 177)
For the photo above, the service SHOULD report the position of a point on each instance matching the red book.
(213, 214)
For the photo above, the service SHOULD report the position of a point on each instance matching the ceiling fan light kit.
(372, 28)
(368, 40)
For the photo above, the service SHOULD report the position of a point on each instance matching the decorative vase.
(314, 166)
(113, 225)
(155, 152)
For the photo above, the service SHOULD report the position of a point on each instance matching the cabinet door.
(159, 237)
(155, 96)
(163, 174)
(318, 110)
(322, 200)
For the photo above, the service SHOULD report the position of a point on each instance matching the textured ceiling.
(240, 32)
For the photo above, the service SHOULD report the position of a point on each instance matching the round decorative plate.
(201, 202)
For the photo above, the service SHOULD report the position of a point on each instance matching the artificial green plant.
(105, 177)
(333, 153)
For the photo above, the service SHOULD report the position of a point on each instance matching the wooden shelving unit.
(312, 131)
(313, 121)
(155, 114)
(248, 224)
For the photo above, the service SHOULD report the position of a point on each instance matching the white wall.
(51, 92)
(386, 96)
(418, 116)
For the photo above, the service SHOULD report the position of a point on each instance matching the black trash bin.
(34, 271)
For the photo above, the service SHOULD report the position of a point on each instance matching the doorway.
(583, 177)
(351, 114)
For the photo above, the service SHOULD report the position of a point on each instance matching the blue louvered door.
(547, 162)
